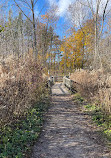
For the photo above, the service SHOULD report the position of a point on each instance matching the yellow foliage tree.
(77, 47)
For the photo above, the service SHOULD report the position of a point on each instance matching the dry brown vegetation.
(95, 86)
(21, 85)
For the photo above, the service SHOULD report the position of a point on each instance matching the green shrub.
(78, 97)
(16, 139)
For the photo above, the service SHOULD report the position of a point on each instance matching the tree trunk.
(65, 66)
(96, 45)
(34, 35)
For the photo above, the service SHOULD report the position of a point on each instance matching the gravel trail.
(68, 132)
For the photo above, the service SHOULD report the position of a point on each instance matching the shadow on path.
(59, 89)
(67, 132)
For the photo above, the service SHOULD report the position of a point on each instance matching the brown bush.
(20, 88)
(95, 86)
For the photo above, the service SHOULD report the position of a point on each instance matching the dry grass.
(95, 86)
(21, 85)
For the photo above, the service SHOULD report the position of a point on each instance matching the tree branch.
(23, 12)
(40, 12)
(35, 2)
(24, 1)
(103, 17)
(92, 11)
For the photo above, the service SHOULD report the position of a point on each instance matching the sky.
(61, 12)
(64, 21)
(44, 5)
(62, 6)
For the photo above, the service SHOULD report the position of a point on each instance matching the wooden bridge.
(67, 132)
(65, 80)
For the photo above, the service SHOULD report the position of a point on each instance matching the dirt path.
(68, 132)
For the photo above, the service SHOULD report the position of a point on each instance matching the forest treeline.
(86, 42)
(21, 36)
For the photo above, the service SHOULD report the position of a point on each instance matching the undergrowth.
(16, 139)
(78, 98)
(98, 116)
(94, 85)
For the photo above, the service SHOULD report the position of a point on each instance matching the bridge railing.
(70, 84)
(50, 81)
(67, 82)
(58, 78)
(53, 79)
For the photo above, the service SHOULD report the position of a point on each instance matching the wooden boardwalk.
(59, 89)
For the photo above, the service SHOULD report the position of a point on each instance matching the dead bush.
(20, 88)
(95, 86)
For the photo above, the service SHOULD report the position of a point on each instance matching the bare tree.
(30, 5)
(97, 10)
